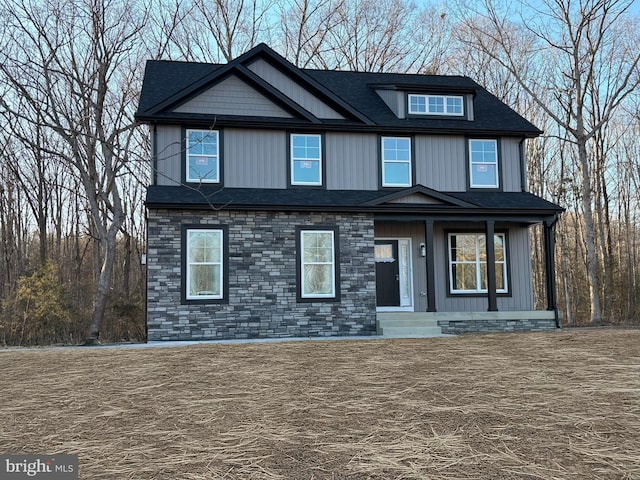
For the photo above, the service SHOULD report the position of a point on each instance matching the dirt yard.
(512, 406)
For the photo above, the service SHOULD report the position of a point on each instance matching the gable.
(293, 90)
(418, 199)
(232, 96)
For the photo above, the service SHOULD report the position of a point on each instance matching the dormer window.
(448, 105)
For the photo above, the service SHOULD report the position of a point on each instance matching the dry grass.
(522, 406)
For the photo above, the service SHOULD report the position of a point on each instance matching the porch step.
(407, 325)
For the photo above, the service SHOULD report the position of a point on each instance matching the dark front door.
(387, 273)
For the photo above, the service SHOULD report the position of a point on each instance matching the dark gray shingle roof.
(207, 196)
(167, 79)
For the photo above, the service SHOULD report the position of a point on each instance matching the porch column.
(431, 261)
(491, 266)
(550, 263)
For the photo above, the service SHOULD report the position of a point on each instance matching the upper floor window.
(306, 159)
(203, 156)
(396, 162)
(483, 164)
(436, 105)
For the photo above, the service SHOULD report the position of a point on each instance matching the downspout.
(154, 154)
(154, 177)
(552, 234)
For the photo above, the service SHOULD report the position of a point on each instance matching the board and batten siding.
(255, 158)
(519, 270)
(440, 162)
(512, 181)
(232, 96)
(168, 155)
(293, 90)
(416, 232)
(351, 161)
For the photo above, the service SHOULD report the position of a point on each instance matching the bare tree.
(72, 68)
(207, 30)
(306, 25)
(381, 36)
(580, 39)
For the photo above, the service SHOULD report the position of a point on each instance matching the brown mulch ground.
(512, 406)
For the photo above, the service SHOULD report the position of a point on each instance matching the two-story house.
(296, 202)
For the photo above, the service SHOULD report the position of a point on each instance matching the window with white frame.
(396, 162)
(483, 163)
(317, 264)
(468, 263)
(306, 159)
(203, 156)
(204, 264)
(452, 105)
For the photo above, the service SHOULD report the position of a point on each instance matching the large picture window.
(396, 162)
(306, 159)
(483, 163)
(203, 156)
(317, 264)
(468, 263)
(204, 264)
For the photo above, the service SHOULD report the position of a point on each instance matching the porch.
(433, 324)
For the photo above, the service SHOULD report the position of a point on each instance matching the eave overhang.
(276, 123)
(369, 202)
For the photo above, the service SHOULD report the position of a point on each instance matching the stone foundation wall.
(495, 325)
(262, 300)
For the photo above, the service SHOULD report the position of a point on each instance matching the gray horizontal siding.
(255, 158)
(351, 161)
(294, 91)
(440, 162)
(232, 97)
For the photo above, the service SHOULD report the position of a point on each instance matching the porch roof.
(386, 201)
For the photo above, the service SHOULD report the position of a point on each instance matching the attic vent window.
(451, 105)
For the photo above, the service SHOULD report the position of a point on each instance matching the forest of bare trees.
(74, 165)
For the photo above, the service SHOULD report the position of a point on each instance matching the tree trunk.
(590, 234)
(104, 282)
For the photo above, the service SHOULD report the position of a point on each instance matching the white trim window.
(203, 156)
(468, 263)
(204, 264)
(483, 163)
(317, 264)
(306, 159)
(396, 162)
(450, 105)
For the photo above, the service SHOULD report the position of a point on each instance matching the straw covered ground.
(560, 405)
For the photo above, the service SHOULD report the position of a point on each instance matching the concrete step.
(414, 332)
(407, 322)
(407, 325)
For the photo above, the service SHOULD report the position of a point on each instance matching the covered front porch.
(427, 276)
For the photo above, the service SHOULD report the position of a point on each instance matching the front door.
(387, 273)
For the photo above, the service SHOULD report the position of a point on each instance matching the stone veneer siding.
(495, 325)
(262, 278)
